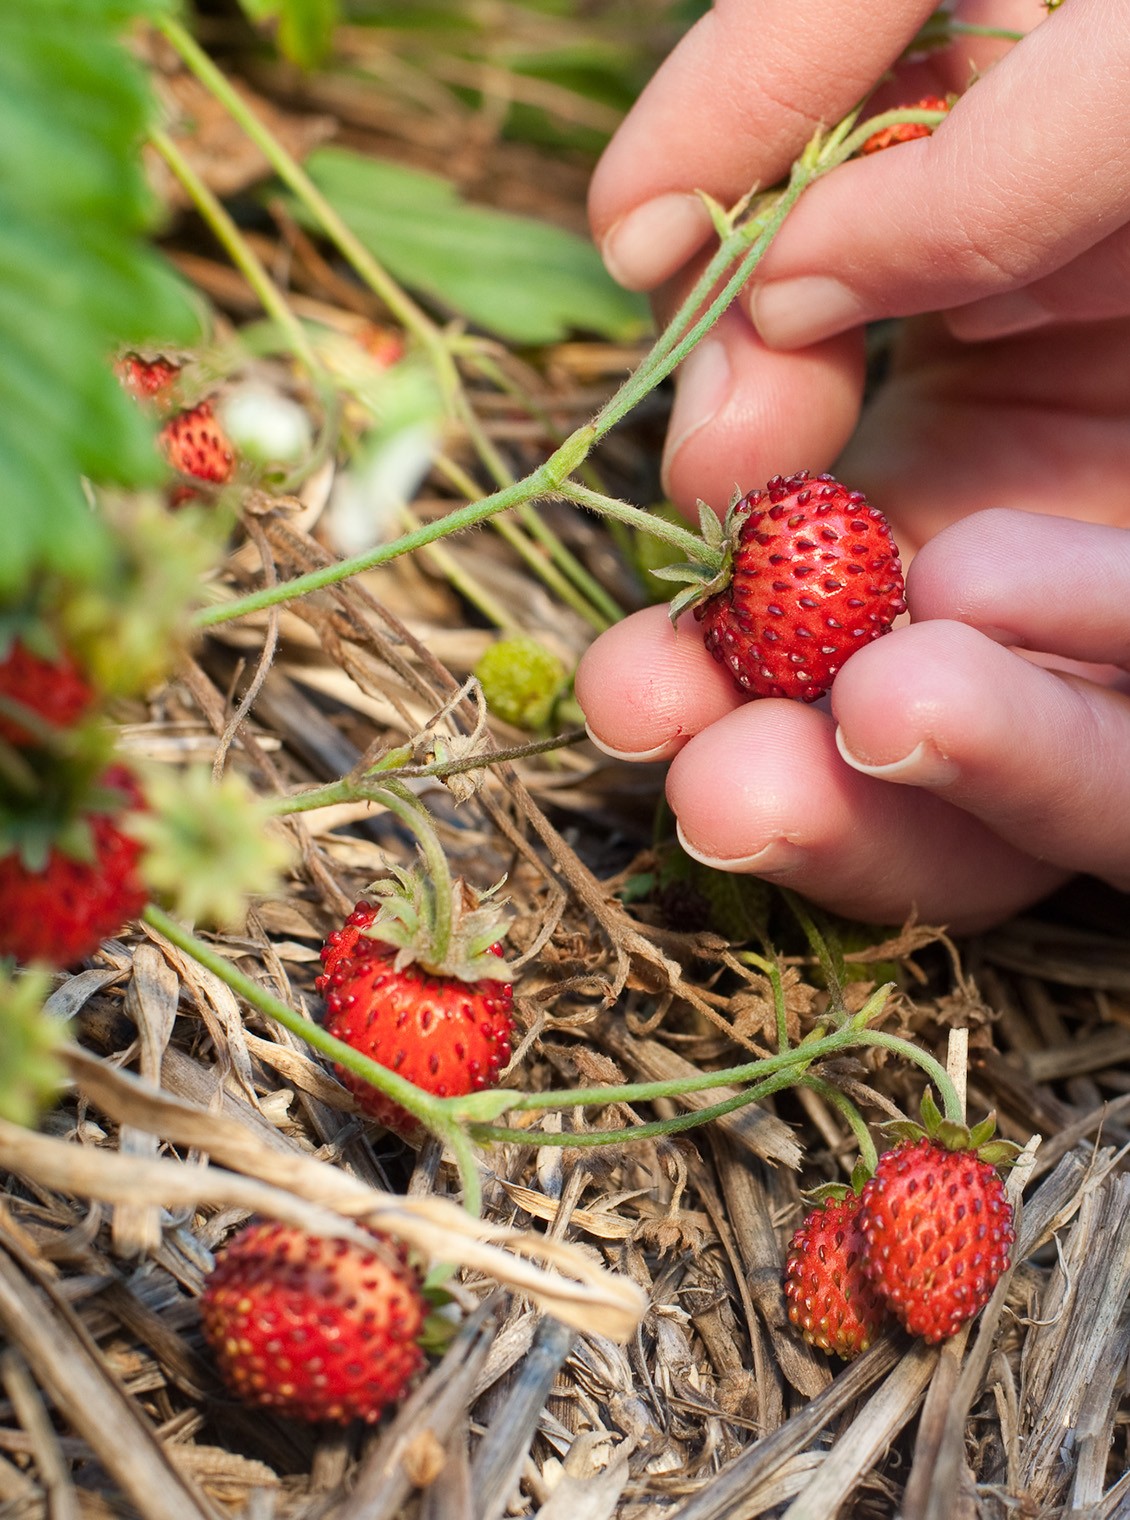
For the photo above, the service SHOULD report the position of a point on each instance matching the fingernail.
(702, 386)
(924, 766)
(998, 317)
(778, 858)
(795, 313)
(659, 752)
(651, 242)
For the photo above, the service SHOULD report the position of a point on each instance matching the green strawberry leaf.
(521, 279)
(77, 279)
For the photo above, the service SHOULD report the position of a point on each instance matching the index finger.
(731, 107)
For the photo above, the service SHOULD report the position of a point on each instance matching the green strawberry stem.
(399, 800)
(434, 340)
(432, 1112)
(459, 1121)
(740, 251)
(591, 1139)
(483, 1107)
(839, 1100)
(830, 964)
(772, 972)
(236, 246)
(397, 765)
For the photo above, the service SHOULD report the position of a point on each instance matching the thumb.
(1028, 171)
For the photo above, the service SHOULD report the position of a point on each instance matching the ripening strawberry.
(906, 131)
(441, 1032)
(147, 380)
(938, 1231)
(195, 444)
(60, 898)
(314, 1328)
(830, 1297)
(50, 686)
(810, 574)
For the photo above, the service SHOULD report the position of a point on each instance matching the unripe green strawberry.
(830, 1297)
(314, 1328)
(521, 681)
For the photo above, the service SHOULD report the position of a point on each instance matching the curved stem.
(591, 1139)
(670, 533)
(843, 1105)
(237, 248)
(399, 800)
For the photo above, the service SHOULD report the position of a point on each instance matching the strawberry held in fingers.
(937, 1225)
(906, 131)
(831, 1300)
(314, 1328)
(809, 574)
(429, 1000)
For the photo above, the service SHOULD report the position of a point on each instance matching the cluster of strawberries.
(923, 1242)
(191, 438)
(69, 865)
(325, 1329)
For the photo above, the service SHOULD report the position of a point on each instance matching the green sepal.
(828, 1192)
(860, 1175)
(698, 574)
(980, 1133)
(713, 533)
(953, 1135)
(932, 1117)
(999, 1152)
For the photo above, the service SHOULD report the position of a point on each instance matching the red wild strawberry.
(50, 686)
(195, 444)
(830, 1298)
(442, 1033)
(810, 574)
(147, 380)
(905, 131)
(341, 944)
(319, 1329)
(938, 1227)
(58, 903)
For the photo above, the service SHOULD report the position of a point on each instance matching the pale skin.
(975, 757)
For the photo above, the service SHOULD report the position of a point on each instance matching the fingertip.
(645, 686)
(743, 414)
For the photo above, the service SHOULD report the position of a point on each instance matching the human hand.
(1014, 212)
(1016, 777)
(1013, 775)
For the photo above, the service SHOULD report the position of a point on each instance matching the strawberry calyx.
(952, 1135)
(710, 574)
(454, 933)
